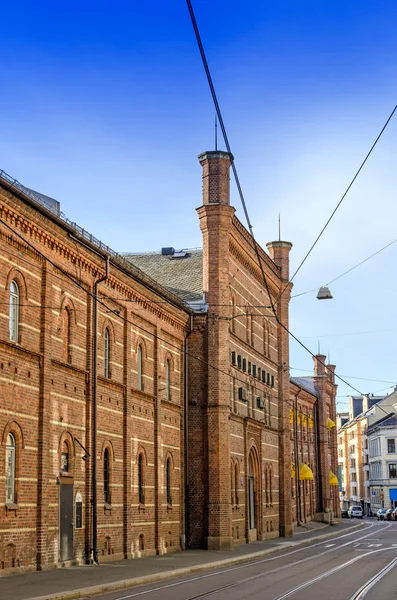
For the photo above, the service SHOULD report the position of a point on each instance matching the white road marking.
(331, 572)
(329, 545)
(243, 566)
(374, 580)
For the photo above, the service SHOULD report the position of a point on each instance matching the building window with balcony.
(391, 446)
(392, 471)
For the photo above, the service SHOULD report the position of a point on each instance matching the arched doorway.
(252, 486)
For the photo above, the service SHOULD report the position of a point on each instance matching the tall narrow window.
(167, 380)
(233, 316)
(140, 368)
(14, 311)
(168, 480)
(10, 469)
(236, 482)
(65, 458)
(106, 477)
(266, 340)
(271, 485)
(106, 353)
(67, 334)
(141, 495)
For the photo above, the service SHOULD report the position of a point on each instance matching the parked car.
(344, 512)
(380, 515)
(394, 514)
(355, 511)
(388, 514)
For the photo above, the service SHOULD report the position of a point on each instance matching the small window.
(106, 477)
(392, 471)
(249, 368)
(272, 381)
(140, 368)
(233, 358)
(65, 458)
(168, 481)
(167, 380)
(10, 469)
(244, 364)
(259, 373)
(239, 361)
(391, 446)
(106, 353)
(141, 495)
(67, 334)
(14, 311)
(254, 370)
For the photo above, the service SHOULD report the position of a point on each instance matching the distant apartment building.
(353, 460)
(382, 452)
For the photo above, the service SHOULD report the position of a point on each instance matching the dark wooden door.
(66, 496)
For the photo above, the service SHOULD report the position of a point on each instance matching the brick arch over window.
(13, 427)
(66, 440)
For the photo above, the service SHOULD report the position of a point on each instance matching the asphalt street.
(346, 567)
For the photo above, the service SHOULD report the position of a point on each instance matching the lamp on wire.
(324, 293)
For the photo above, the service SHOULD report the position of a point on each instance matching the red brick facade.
(194, 437)
(46, 394)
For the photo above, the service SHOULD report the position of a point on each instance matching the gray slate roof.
(306, 383)
(389, 421)
(181, 276)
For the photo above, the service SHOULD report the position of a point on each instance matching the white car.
(355, 511)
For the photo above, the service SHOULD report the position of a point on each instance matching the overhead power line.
(348, 271)
(226, 140)
(341, 200)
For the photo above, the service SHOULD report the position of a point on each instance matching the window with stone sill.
(10, 469)
(14, 312)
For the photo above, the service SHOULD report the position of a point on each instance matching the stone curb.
(146, 579)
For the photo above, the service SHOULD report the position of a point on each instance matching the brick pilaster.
(45, 487)
(279, 253)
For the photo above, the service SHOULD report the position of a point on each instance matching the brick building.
(46, 401)
(168, 399)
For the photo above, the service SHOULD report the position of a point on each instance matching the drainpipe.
(297, 465)
(186, 425)
(94, 549)
(318, 462)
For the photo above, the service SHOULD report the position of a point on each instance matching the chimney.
(216, 177)
(279, 253)
(319, 365)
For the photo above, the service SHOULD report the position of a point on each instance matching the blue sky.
(105, 107)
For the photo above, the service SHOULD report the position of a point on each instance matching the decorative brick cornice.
(77, 259)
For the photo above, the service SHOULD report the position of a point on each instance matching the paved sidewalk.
(79, 582)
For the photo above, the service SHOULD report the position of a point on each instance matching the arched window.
(266, 486)
(168, 481)
(65, 458)
(167, 379)
(106, 353)
(106, 476)
(271, 485)
(232, 494)
(140, 387)
(67, 333)
(236, 482)
(141, 495)
(14, 311)
(10, 469)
